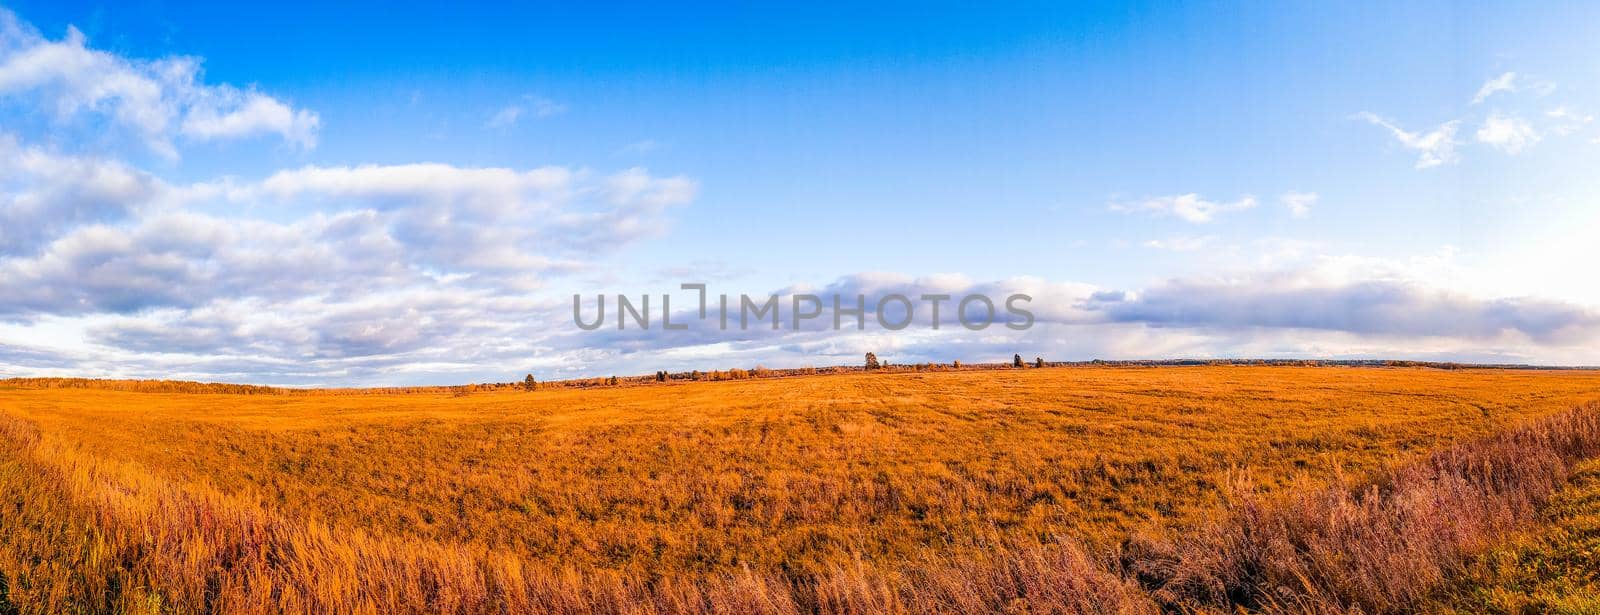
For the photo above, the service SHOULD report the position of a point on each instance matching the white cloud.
(1436, 147)
(157, 100)
(1374, 307)
(250, 114)
(387, 328)
(505, 117)
(350, 273)
(1190, 207)
(1565, 121)
(369, 226)
(1299, 203)
(1506, 82)
(43, 194)
(430, 272)
(537, 106)
(1509, 134)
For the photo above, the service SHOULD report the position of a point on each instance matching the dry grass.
(1551, 568)
(911, 492)
(1376, 547)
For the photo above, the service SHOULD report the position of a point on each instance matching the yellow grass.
(712, 483)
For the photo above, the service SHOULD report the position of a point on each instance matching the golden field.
(310, 502)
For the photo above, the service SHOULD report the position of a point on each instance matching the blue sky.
(448, 177)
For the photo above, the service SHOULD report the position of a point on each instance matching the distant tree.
(529, 383)
(661, 376)
(694, 375)
(872, 361)
(1038, 362)
(612, 381)
(1016, 360)
(956, 364)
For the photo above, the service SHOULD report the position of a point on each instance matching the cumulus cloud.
(1509, 134)
(157, 100)
(1436, 147)
(488, 218)
(316, 274)
(186, 260)
(43, 194)
(407, 324)
(369, 225)
(234, 114)
(1190, 207)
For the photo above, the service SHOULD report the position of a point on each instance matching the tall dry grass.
(81, 535)
(1377, 548)
(797, 474)
(80, 532)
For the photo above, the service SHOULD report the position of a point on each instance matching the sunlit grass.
(1551, 568)
(728, 491)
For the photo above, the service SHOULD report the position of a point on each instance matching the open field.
(681, 485)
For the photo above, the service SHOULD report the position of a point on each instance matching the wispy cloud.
(530, 105)
(1565, 121)
(1506, 82)
(505, 117)
(1435, 147)
(1190, 207)
(1299, 203)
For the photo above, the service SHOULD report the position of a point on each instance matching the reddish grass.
(1377, 548)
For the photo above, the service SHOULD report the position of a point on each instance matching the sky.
(371, 194)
